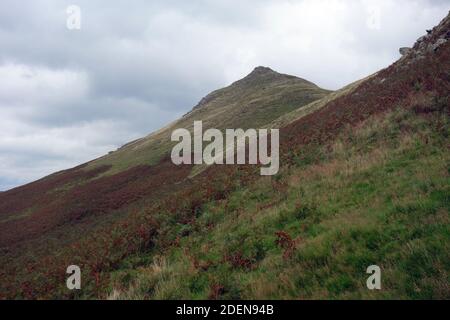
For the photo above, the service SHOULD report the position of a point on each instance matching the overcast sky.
(68, 96)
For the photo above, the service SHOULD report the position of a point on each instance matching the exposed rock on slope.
(430, 43)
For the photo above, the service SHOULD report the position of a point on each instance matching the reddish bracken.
(237, 260)
(286, 242)
(52, 208)
(216, 291)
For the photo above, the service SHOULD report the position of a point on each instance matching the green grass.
(378, 195)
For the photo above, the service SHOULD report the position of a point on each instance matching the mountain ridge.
(251, 102)
(260, 75)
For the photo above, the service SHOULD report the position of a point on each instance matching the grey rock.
(404, 51)
(441, 41)
(422, 39)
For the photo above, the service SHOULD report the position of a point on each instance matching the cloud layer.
(67, 96)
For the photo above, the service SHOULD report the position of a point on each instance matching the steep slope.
(252, 102)
(89, 193)
(53, 212)
(364, 180)
(298, 113)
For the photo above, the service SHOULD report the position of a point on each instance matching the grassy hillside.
(364, 180)
(378, 195)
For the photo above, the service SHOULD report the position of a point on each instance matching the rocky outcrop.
(433, 41)
(404, 51)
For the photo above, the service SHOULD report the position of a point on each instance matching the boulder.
(404, 51)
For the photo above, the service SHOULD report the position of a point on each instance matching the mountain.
(252, 102)
(364, 180)
(66, 197)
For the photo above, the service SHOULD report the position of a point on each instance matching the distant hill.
(252, 102)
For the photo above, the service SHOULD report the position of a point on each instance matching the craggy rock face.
(404, 51)
(430, 43)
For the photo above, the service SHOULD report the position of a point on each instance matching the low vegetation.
(379, 195)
